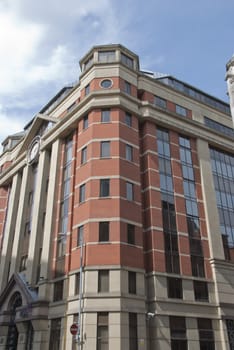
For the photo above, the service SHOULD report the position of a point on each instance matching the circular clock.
(33, 150)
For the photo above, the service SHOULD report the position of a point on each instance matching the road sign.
(74, 328)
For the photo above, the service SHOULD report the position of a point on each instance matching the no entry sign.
(74, 328)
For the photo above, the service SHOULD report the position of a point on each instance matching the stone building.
(117, 215)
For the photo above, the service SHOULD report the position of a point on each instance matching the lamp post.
(79, 335)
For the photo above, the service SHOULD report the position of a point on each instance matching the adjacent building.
(117, 216)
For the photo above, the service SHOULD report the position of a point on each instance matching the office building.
(117, 215)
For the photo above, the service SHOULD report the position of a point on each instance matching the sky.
(41, 43)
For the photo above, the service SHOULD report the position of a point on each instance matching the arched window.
(12, 336)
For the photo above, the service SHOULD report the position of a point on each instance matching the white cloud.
(13, 125)
(40, 49)
(18, 43)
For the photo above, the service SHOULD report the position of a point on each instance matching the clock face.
(33, 150)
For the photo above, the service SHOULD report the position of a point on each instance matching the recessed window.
(128, 119)
(131, 282)
(160, 102)
(181, 110)
(104, 231)
(104, 187)
(103, 281)
(23, 263)
(80, 235)
(88, 63)
(77, 283)
(197, 263)
(58, 291)
(178, 333)
(130, 234)
(106, 56)
(129, 191)
(102, 331)
(105, 149)
(129, 152)
(27, 229)
(106, 83)
(105, 116)
(174, 288)
(85, 122)
(84, 155)
(87, 89)
(200, 291)
(128, 61)
(133, 335)
(127, 87)
(71, 107)
(206, 333)
(82, 193)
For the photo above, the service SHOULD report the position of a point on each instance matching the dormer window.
(106, 56)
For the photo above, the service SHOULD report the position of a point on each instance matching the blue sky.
(41, 43)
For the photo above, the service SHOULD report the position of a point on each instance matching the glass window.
(127, 87)
(172, 262)
(219, 127)
(84, 155)
(158, 101)
(82, 193)
(130, 234)
(129, 191)
(230, 330)
(106, 56)
(103, 281)
(128, 61)
(88, 63)
(87, 89)
(181, 110)
(195, 246)
(197, 263)
(58, 291)
(200, 291)
(106, 83)
(71, 107)
(174, 288)
(129, 152)
(105, 149)
(178, 333)
(206, 334)
(23, 263)
(128, 119)
(104, 187)
(102, 331)
(133, 334)
(105, 116)
(223, 176)
(80, 235)
(85, 122)
(104, 231)
(132, 282)
(55, 332)
(77, 283)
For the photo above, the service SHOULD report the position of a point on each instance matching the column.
(37, 215)
(9, 230)
(19, 221)
(212, 215)
(46, 255)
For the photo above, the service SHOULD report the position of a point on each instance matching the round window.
(106, 83)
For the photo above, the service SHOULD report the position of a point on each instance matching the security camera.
(150, 315)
